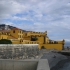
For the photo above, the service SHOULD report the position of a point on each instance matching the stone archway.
(42, 47)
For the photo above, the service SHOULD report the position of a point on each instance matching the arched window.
(13, 31)
(42, 47)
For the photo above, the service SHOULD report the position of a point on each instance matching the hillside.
(7, 27)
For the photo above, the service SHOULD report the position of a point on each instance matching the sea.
(67, 44)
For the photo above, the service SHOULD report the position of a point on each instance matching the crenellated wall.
(36, 33)
(53, 46)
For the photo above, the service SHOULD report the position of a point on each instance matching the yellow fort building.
(19, 36)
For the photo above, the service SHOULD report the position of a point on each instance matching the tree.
(5, 41)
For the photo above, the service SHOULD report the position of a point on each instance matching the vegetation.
(5, 41)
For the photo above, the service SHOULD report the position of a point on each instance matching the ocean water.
(66, 66)
(67, 44)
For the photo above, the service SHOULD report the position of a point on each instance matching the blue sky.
(52, 16)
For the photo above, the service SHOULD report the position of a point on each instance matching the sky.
(52, 16)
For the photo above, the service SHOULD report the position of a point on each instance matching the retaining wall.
(24, 64)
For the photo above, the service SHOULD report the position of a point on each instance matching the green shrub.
(5, 41)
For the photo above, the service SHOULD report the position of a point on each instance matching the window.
(22, 36)
(14, 31)
(20, 31)
(26, 34)
(2, 32)
(19, 36)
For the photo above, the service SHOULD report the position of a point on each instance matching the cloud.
(8, 23)
(8, 8)
(38, 15)
(18, 18)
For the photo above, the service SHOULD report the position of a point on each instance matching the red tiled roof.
(15, 29)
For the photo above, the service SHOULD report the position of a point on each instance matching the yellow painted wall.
(10, 37)
(39, 35)
(60, 42)
(47, 39)
(3, 36)
(36, 33)
(18, 34)
(26, 38)
(14, 34)
(29, 42)
(52, 46)
(15, 41)
(41, 39)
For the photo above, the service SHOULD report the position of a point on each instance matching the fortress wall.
(53, 46)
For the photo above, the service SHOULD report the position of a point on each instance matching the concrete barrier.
(43, 65)
(24, 64)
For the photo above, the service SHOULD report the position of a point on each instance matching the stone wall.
(18, 51)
